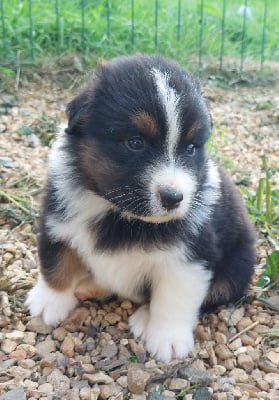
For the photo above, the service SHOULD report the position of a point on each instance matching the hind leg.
(53, 296)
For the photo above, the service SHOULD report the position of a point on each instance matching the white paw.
(138, 322)
(52, 305)
(167, 342)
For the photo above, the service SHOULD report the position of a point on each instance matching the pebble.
(244, 323)
(67, 346)
(273, 357)
(31, 385)
(223, 352)
(113, 389)
(271, 378)
(126, 305)
(247, 340)
(19, 354)
(139, 350)
(123, 381)
(235, 345)
(46, 388)
(15, 335)
(27, 364)
(195, 376)
(37, 325)
(137, 378)
(239, 375)
(23, 373)
(14, 394)
(8, 345)
(30, 350)
(218, 370)
(46, 347)
(77, 316)
(220, 338)
(262, 385)
(30, 338)
(112, 318)
(109, 350)
(4, 321)
(59, 333)
(178, 384)
(236, 316)
(99, 377)
(60, 382)
(246, 362)
(6, 162)
(85, 393)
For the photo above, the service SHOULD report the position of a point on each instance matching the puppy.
(135, 207)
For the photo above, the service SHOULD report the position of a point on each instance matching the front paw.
(165, 342)
(138, 322)
(52, 305)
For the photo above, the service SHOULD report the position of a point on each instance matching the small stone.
(60, 382)
(109, 350)
(246, 362)
(59, 333)
(8, 345)
(223, 352)
(19, 354)
(112, 318)
(137, 378)
(239, 375)
(229, 364)
(218, 370)
(220, 338)
(195, 376)
(80, 384)
(178, 384)
(37, 325)
(30, 385)
(244, 323)
(139, 350)
(236, 316)
(235, 345)
(113, 389)
(46, 388)
(250, 389)
(273, 357)
(4, 321)
(88, 368)
(6, 162)
(85, 393)
(168, 394)
(7, 363)
(46, 347)
(28, 348)
(27, 364)
(122, 381)
(95, 393)
(271, 378)
(32, 140)
(30, 338)
(202, 393)
(99, 377)
(48, 361)
(14, 394)
(126, 305)
(267, 366)
(67, 347)
(247, 340)
(263, 385)
(20, 372)
(15, 335)
(77, 316)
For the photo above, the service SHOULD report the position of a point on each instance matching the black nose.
(170, 199)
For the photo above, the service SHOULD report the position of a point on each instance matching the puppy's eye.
(135, 143)
(191, 150)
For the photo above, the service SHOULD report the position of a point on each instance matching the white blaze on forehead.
(170, 101)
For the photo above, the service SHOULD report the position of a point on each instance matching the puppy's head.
(137, 134)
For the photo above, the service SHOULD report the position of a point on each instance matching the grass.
(108, 31)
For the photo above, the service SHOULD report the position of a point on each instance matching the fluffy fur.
(135, 207)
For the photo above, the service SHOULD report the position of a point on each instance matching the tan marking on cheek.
(95, 166)
(193, 130)
(145, 123)
(69, 267)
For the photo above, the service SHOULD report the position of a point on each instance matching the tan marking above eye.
(193, 130)
(146, 123)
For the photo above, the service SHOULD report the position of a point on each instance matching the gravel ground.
(92, 355)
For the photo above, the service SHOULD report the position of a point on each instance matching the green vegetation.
(106, 28)
(263, 208)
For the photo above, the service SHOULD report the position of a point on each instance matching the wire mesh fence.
(202, 31)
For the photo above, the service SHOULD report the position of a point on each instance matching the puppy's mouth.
(165, 205)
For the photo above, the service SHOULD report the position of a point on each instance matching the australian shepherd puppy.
(135, 207)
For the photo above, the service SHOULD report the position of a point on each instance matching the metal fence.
(220, 31)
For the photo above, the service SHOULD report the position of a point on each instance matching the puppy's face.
(137, 135)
